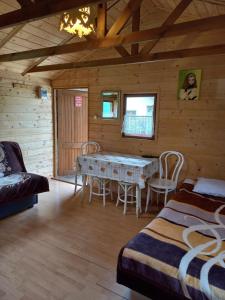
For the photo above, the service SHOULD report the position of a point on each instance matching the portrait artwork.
(189, 84)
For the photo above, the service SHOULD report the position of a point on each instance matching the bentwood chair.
(104, 185)
(86, 148)
(170, 165)
(103, 191)
(126, 195)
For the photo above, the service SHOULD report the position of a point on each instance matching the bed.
(181, 253)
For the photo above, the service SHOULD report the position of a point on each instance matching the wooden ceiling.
(44, 33)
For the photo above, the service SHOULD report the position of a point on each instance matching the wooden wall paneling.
(27, 120)
(197, 129)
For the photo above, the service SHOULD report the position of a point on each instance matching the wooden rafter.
(16, 29)
(171, 19)
(40, 10)
(102, 28)
(40, 60)
(101, 21)
(10, 35)
(123, 18)
(23, 3)
(135, 27)
(113, 4)
(176, 54)
(205, 24)
(122, 51)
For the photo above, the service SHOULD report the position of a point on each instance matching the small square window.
(139, 115)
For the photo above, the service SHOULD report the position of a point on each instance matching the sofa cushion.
(19, 185)
(11, 159)
(4, 164)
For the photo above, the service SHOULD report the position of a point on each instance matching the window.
(139, 115)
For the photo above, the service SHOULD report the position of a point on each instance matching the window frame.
(135, 95)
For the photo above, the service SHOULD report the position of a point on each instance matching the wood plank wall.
(197, 129)
(27, 120)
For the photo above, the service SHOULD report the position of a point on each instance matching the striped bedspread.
(183, 248)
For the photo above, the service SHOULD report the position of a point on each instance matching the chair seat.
(99, 179)
(128, 184)
(161, 183)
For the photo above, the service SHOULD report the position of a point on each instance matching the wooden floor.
(65, 248)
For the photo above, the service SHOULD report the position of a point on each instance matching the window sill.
(138, 137)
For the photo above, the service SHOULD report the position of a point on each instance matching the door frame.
(55, 123)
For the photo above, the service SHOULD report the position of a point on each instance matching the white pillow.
(213, 187)
(189, 181)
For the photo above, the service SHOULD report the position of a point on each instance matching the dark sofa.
(18, 189)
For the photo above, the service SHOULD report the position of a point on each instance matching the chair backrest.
(170, 165)
(90, 147)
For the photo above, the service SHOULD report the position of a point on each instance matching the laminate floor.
(65, 248)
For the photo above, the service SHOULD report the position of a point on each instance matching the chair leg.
(99, 186)
(91, 189)
(132, 194)
(103, 190)
(148, 198)
(111, 191)
(83, 181)
(75, 187)
(165, 197)
(125, 201)
(118, 193)
(157, 195)
(140, 207)
(137, 201)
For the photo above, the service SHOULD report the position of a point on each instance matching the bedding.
(214, 187)
(181, 252)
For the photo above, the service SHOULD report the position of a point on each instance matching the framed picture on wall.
(189, 84)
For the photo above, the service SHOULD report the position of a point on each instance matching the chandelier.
(78, 22)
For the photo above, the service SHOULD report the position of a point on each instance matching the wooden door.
(72, 129)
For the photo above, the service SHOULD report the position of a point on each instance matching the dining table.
(119, 167)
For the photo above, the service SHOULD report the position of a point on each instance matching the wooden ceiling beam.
(176, 54)
(40, 60)
(23, 3)
(177, 12)
(101, 21)
(102, 28)
(113, 4)
(171, 19)
(40, 10)
(17, 28)
(130, 38)
(122, 51)
(121, 21)
(10, 35)
(135, 27)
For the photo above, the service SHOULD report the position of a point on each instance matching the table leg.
(138, 200)
(84, 182)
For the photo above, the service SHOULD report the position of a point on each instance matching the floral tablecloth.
(117, 166)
